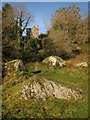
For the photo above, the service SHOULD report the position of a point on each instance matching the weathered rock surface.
(44, 89)
(13, 66)
(54, 61)
(82, 64)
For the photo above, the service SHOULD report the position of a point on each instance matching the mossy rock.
(14, 66)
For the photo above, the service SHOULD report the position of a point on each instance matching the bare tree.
(22, 18)
(47, 24)
(7, 21)
(67, 27)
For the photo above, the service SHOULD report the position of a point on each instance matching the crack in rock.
(48, 89)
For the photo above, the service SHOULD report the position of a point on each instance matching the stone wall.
(33, 32)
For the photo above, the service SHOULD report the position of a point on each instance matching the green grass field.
(76, 78)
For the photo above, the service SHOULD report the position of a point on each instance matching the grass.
(46, 109)
(76, 78)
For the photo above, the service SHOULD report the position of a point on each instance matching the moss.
(14, 107)
(51, 108)
(11, 69)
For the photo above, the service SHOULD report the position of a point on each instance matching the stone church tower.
(33, 32)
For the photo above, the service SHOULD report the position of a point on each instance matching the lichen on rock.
(41, 89)
(54, 61)
(14, 66)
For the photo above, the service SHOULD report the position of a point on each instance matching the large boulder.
(41, 89)
(54, 61)
(13, 66)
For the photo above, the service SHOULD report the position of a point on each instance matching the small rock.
(82, 64)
